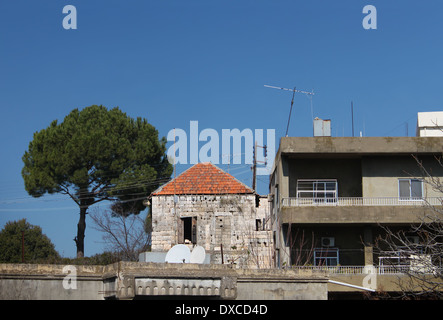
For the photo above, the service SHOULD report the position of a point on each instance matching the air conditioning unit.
(413, 239)
(327, 241)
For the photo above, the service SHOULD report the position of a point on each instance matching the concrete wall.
(130, 280)
(381, 174)
(360, 146)
(383, 282)
(346, 171)
(356, 214)
(45, 282)
(280, 285)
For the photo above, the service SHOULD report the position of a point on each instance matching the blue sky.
(176, 61)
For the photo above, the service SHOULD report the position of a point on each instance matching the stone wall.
(231, 223)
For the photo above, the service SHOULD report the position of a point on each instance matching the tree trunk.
(81, 227)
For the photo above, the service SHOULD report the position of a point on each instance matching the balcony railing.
(350, 270)
(361, 201)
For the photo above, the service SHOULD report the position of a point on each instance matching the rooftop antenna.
(310, 94)
(352, 116)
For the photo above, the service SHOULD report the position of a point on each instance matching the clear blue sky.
(176, 61)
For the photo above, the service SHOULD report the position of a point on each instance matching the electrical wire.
(123, 190)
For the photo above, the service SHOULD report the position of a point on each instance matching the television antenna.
(310, 94)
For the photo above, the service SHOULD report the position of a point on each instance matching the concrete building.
(208, 207)
(332, 196)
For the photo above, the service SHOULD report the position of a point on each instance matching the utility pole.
(352, 116)
(177, 224)
(254, 165)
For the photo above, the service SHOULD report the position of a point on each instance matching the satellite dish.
(178, 254)
(198, 255)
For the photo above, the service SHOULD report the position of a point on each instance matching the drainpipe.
(350, 285)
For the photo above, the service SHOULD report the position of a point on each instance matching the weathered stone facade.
(229, 223)
(208, 207)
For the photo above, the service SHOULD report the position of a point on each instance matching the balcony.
(348, 210)
(360, 201)
(369, 278)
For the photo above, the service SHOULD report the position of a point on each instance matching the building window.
(189, 227)
(326, 257)
(318, 190)
(258, 225)
(410, 189)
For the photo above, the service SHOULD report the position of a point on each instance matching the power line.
(135, 185)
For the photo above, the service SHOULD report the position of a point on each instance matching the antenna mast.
(292, 101)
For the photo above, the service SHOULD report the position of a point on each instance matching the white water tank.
(322, 128)
(430, 124)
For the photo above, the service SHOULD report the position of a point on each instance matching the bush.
(37, 246)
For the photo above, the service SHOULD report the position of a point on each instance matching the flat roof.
(361, 145)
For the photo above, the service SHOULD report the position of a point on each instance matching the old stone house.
(208, 207)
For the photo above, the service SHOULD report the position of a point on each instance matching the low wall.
(278, 284)
(48, 282)
(137, 280)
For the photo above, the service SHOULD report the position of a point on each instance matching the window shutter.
(194, 230)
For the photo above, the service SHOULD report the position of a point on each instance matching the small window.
(258, 225)
(410, 189)
(189, 230)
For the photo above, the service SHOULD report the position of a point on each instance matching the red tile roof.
(203, 178)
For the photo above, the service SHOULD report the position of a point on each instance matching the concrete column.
(284, 183)
(369, 256)
(368, 249)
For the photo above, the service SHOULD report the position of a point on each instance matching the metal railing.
(351, 270)
(360, 201)
(332, 269)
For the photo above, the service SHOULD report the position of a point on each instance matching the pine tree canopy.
(97, 154)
